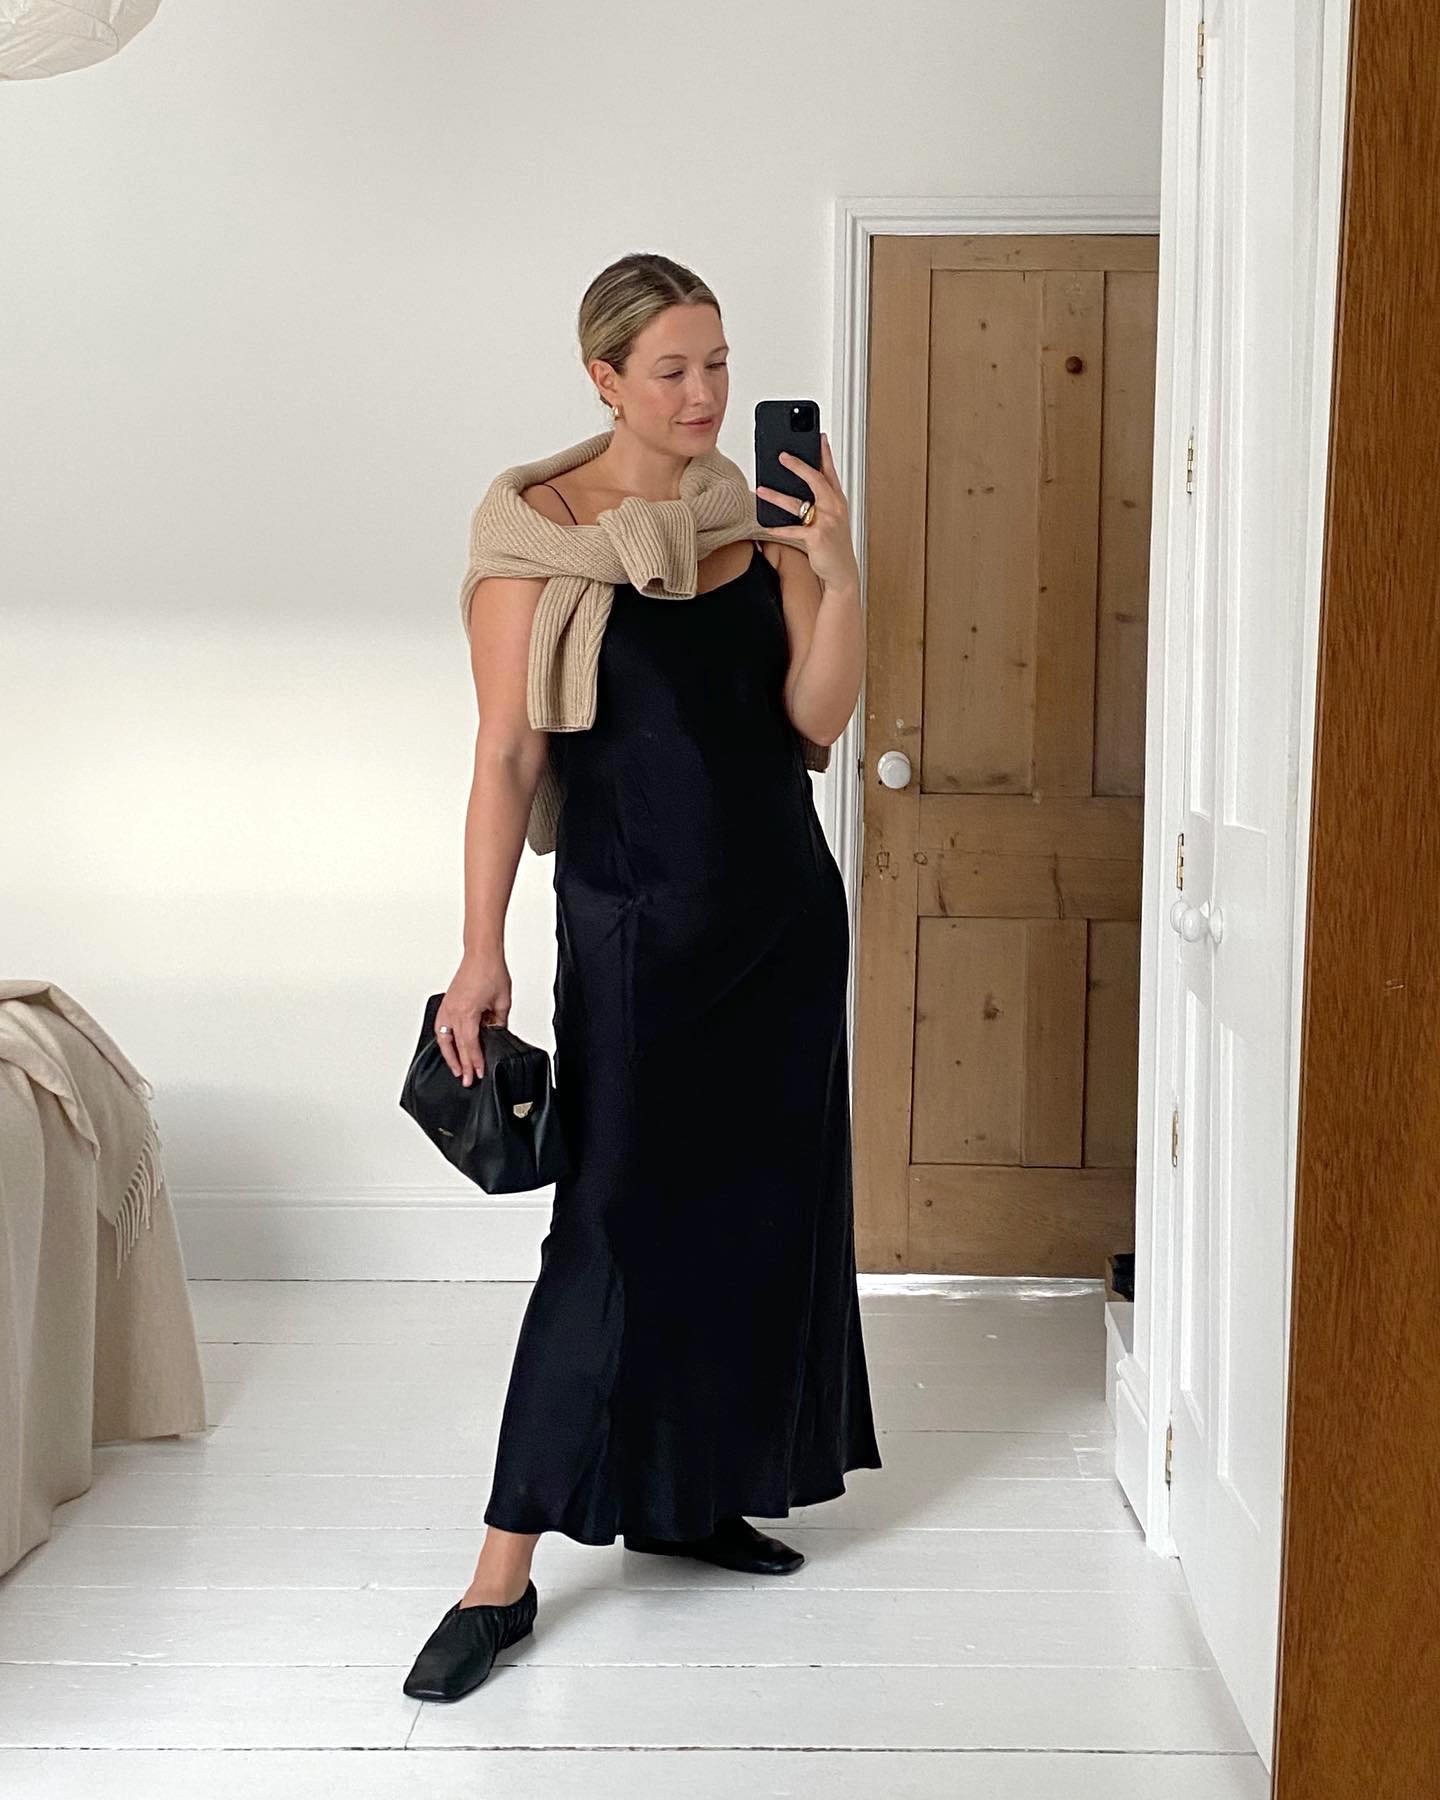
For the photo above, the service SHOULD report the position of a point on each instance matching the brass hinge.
(1180, 860)
(1175, 1139)
(1200, 51)
(1190, 465)
(1169, 1444)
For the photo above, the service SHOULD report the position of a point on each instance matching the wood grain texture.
(1123, 601)
(898, 413)
(1360, 1624)
(1006, 658)
(1002, 1214)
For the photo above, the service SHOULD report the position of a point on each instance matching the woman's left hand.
(826, 539)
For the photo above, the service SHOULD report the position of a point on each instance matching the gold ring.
(809, 512)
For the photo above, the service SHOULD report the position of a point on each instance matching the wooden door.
(1360, 1615)
(1008, 462)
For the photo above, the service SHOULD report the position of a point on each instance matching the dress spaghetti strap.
(560, 497)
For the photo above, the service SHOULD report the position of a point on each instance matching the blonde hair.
(622, 300)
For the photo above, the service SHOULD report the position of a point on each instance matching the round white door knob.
(893, 769)
(1188, 920)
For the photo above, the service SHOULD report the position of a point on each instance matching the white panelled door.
(1232, 918)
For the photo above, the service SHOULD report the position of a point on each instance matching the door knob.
(893, 768)
(1193, 924)
(1187, 920)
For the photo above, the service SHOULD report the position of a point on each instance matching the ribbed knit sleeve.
(655, 545)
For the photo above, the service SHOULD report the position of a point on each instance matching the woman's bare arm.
(509, 754)
(826, 629)
(509, 760)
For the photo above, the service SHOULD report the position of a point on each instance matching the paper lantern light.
(51, 37)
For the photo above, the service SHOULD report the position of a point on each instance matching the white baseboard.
(1119, 1343)
(1126, 1394)
(439, 1234)
(394, 1234)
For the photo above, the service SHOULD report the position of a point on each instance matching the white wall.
(282, 286)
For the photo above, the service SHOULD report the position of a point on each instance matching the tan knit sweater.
(656, 545)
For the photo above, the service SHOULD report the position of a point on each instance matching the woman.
(691, 1350)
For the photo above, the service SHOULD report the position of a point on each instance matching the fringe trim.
(142, 1189)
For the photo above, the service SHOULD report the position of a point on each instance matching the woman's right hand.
(479, 992)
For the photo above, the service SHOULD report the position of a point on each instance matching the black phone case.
(774, 433)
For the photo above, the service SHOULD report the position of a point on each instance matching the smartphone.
(792, 425)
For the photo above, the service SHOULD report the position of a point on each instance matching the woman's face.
(677, 373)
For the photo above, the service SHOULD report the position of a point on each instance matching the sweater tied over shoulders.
(655, 545)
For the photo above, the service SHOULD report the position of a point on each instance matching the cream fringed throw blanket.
(102, 1094)
(97, 1340)
(656, 545)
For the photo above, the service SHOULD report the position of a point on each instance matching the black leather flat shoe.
(460, 1652)
(733, 1544)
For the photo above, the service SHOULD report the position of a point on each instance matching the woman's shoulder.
(546, 501)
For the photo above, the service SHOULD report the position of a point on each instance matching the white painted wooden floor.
(233, 1614)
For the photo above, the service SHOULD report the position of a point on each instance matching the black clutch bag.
(503, 1131)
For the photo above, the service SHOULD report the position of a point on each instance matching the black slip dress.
(692, 1347)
